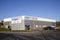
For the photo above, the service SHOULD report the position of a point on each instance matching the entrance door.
(27, 27)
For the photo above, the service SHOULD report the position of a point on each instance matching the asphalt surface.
(35, 35)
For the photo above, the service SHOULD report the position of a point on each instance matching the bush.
(3, 29)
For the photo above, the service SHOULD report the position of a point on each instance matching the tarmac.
(34, 35)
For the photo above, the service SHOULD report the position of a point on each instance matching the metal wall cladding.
(18, 26)
(34, 24)
(38, 24)
(15, 26)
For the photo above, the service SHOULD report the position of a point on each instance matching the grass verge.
(6, 30)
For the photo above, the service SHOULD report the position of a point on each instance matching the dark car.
(49, 28)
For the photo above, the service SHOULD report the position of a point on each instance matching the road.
(35, 35)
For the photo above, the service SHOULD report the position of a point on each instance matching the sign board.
(34, 18)
(16, 20)
(30, 18)
(7, 19)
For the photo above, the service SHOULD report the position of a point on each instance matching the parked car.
(49, 28)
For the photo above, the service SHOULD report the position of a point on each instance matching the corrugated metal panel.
(38, 23)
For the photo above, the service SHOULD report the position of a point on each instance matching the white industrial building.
(27, 23)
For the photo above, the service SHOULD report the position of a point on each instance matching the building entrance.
(27, 27)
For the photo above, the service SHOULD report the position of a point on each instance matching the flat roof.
(32, 18)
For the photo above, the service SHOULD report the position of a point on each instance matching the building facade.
(27, 23)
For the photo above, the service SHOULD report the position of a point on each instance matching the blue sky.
(41, 8)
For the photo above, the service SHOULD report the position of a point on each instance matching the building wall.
(15, 26)
(34, 24)
(18, 26)
(6, 24)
